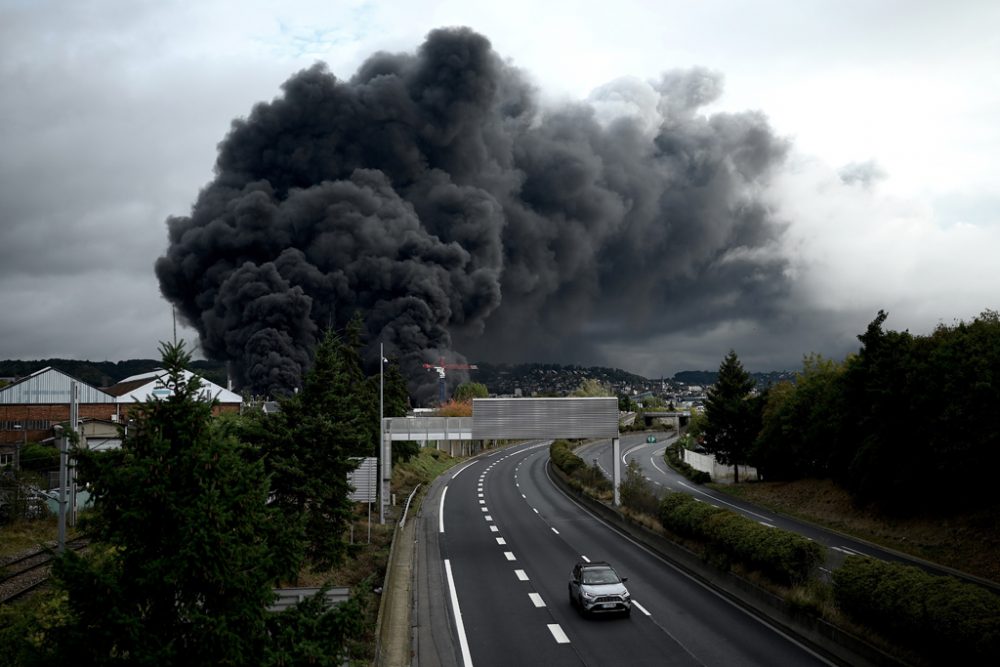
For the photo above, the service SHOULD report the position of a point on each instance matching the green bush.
(783, 556)
(564, 458)
(581, 475)
(945, 618)
(636, 491)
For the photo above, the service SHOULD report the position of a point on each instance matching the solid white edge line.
(441, 511)
(460, 470)
(459, 625)
(537, 600)
(737, 507)
(557, 633)
(640, 608)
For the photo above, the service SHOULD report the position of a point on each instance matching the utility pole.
(20, 445)
(61, 539)
(74, 426)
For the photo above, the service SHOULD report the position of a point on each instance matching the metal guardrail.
(288, 597)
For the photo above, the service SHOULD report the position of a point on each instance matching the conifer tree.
(186, 549)
(732, 417)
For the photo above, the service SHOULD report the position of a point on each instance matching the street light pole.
(381, 437)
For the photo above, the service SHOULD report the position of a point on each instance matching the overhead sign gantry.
(515, 419)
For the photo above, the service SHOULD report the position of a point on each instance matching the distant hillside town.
(530, 379)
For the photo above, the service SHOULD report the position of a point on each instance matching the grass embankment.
(968, 542)
(30, 534)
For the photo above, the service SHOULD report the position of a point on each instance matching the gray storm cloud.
(433, 195)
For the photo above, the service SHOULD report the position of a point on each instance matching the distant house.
(100, 434)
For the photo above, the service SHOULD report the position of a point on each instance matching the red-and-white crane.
(440, 368)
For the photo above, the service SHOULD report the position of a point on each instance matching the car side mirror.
(624, 579)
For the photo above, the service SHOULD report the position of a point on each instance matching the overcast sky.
(111, 112)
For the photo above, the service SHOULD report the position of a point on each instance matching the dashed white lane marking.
(482, 502)
(554, 530)
(849, 551)
(509, 555)
(501, 541)
(558, 633)
(441, 510)
(524, 496)
(640, 608)
(537, 599)
(489, 518)
(585, 559)
(534, 510)
(494, 529)
(484, 509)
(521, 575)
(457, 613)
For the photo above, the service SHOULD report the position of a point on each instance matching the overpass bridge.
(509, 419)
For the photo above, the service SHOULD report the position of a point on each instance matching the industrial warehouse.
(32, 406)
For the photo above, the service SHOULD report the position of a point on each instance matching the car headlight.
(589, 596)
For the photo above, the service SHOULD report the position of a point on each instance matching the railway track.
(27, 572)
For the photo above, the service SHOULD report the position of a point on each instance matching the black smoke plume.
(433, 195)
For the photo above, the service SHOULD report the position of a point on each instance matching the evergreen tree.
(396, 397)
(732, 416)
(311, 443)
(186, 550)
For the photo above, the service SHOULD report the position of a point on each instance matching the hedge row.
(564, 458)
(588, 479)
(950, 620)
(783, 556)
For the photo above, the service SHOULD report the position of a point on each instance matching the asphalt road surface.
(663, 478)
(496, 545)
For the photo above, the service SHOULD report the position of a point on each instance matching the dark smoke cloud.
(430, 193)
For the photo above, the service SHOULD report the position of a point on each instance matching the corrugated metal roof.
(530, 418)
(49, 385)
(142, 387)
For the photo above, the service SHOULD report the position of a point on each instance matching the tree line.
(908, 422)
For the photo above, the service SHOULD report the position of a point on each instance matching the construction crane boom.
(440, 368)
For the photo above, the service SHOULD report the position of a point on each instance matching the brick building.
(33, 405)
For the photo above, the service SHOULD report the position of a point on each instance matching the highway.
(495, 546)
(663, 478)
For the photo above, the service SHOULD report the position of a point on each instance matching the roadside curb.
(392, 629)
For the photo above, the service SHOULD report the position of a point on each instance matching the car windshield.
(599, 575)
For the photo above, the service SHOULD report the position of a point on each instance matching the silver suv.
(596, 588)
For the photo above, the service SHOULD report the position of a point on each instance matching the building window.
(6, 459)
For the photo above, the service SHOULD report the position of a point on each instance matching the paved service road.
(499, 542)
